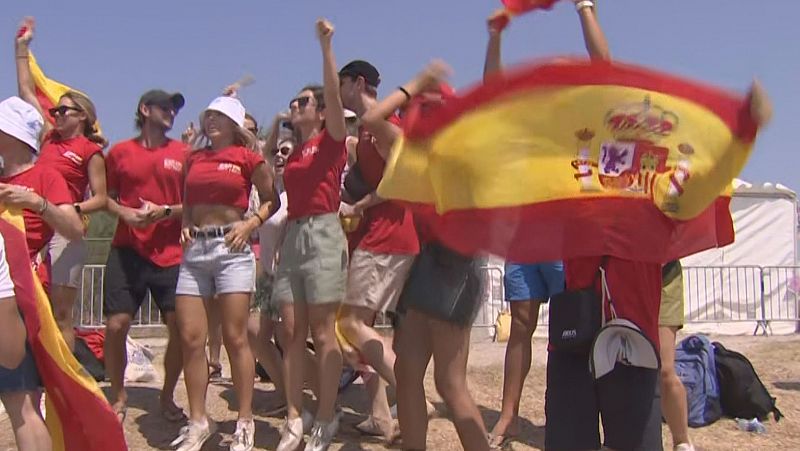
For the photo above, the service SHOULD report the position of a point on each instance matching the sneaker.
(322, 435)
(684, 447)
(194, 435)
(244, 435)
(291, 435)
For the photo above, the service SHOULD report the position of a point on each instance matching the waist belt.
(210, 232)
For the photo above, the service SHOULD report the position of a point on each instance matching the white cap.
(621, 341)
(349, 114)
(21, 120)
(229, 106)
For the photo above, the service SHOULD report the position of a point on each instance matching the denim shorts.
(210, 267)
(539, 281)
(24, 377)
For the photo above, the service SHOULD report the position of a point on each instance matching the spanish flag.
(48, 92)
(78, 416)
(516, 7)
(573, 158)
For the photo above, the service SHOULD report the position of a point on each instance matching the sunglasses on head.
(301, 101)
(61, 110)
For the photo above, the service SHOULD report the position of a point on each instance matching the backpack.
(743, 395)
(696, 368)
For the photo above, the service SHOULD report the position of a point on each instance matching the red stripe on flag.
(579, 72)
(46, 104)
(522, 6)
(632, 229)
(88, 422)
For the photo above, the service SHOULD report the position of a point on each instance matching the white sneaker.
(194, 435)
(244, 435)
(322, 434)
(291, 435)
(684, 447)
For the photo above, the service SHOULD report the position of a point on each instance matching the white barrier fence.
(713, 294)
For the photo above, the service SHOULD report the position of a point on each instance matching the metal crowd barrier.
(713, 294)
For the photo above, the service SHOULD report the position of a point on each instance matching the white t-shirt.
(6, 285)
(270, 236)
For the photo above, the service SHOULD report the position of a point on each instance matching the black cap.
(364, 69)
(159, 97)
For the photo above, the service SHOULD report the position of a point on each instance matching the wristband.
(403, 90)
(45, 204)
(261, 220)
(584, 4)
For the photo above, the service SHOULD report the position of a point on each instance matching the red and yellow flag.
(576, 158)
(516, 7)
(48, 92)
(78, 416)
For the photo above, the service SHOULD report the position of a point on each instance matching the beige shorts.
(66, 259)
(313, 261)
(376, 280)
(671, 313)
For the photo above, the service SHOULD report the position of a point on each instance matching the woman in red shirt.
(74, 148)
(312, 271)
(38, 190)
(218, 264)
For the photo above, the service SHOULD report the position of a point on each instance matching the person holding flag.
(73, 146)
(528, 285)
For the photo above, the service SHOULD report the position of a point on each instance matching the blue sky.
(115, 50)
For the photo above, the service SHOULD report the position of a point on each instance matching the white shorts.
(375, 281)
(66, 259)
(209, 268)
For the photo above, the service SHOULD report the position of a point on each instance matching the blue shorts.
(538, 281)
(25, 377)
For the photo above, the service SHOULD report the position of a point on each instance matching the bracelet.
(45, 204)
(261, 220)
(403, 90)
(584, 4)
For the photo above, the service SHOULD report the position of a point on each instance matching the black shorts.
(627, 398)
(444, 285)
(129, 277)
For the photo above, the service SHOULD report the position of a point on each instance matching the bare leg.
(173, 365)
(265, 350)
(294, 356)
(322, 320)
(413, 348)
(116, 357)
(30, 431)
(356, 326)
(235, 309)
(524, 315)
(673, 393)
(450, 353)
(193, 328)
(214, 333)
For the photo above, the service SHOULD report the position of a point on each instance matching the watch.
(167, 211)
(77, 207)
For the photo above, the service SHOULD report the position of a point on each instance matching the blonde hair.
(89, 129)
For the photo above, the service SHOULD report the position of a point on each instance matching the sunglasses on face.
(285, 151)
(300, 101)
(62, 110)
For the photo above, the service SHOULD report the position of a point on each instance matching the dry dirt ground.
(777, 360)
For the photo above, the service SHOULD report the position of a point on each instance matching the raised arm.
(493, 63)
(334, 110)
(374, 120)
(25, 84)
(593, 36)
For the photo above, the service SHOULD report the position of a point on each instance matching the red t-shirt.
(48, 183)
(221, 177)
(387, 228)
(70, 157)
(312, 176)
(134, 173)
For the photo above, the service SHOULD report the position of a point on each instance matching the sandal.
(121, 412)
(215, 375)
(500, 441)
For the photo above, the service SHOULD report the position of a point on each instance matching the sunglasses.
(301, 102)
(285, 151)
(62, 110)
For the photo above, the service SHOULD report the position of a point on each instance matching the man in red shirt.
(387, 240)
(145, 190)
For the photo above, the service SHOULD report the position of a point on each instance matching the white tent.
(731, 288)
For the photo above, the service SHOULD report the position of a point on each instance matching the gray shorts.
(209, 268)
(313, 261)
(67, 259)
